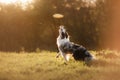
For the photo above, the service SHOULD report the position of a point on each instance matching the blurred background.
(33, 24)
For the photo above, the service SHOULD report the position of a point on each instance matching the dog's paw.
(65, 63)
(57, 56)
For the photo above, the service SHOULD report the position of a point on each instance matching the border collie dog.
(63, 43)
(65, 46)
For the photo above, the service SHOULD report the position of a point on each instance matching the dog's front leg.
(62, 53)
(58, 55)
(64, 56)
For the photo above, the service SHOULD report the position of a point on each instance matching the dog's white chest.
(61, 42)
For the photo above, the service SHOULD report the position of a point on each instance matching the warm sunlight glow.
(90, 2)
(23, 3)
(7, 1)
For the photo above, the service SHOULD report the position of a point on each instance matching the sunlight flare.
(7, 1)
(22, 3)
(90, 2)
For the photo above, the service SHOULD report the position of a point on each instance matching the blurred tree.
(111, 35)
(36, 28)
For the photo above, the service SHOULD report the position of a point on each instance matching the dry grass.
(44, 66)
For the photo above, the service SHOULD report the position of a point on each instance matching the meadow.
(44, 65)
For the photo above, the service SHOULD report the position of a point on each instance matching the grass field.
(44, 66)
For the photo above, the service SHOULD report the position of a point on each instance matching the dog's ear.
(66, 34)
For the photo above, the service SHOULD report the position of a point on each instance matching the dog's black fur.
(80, 52)
(64, 35)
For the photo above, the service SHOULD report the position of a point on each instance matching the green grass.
(44, 66)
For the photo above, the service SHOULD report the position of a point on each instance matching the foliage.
(36, 27)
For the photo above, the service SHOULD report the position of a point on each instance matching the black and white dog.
(63, 43)
(65, 46)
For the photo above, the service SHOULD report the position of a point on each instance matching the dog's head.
(62, 32)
